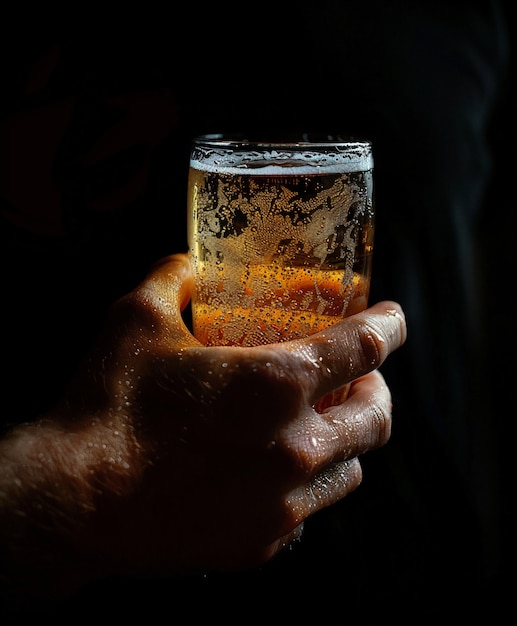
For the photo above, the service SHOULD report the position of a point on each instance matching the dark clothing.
(96, 125)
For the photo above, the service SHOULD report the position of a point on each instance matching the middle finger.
(361, 423)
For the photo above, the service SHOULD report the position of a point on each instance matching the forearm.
(56, 486)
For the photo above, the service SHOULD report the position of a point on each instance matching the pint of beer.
(280, 237)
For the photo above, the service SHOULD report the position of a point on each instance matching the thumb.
(172, 278)
(157, 302)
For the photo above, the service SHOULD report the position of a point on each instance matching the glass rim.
(307, 140)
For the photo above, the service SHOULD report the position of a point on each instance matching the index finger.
(351, 348)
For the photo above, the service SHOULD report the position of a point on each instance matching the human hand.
(168, 457)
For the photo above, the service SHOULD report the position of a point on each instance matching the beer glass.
(280, 236)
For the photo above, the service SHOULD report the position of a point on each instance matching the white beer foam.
(358, 157)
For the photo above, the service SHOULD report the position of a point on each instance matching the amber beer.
(280, 238)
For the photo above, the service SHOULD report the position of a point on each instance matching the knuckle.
(290, 517)
(297, 457)
(381, 419)
(287, 514)
(372, 345)
(141, 306)
(278, 384)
